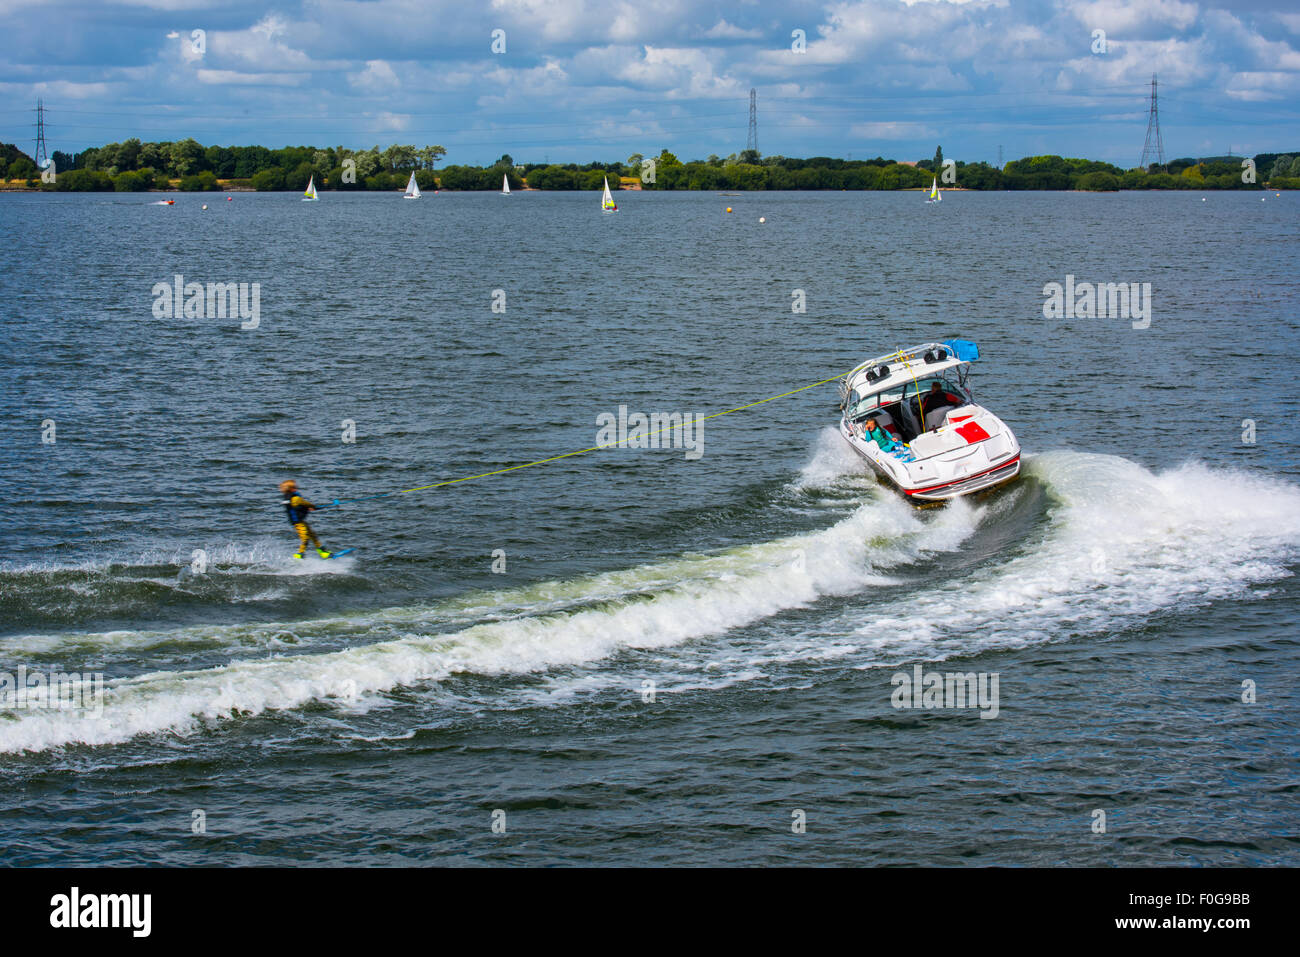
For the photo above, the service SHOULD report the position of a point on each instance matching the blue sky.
(581, 80)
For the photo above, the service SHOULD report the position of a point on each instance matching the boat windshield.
(859, 404)
(928, 383)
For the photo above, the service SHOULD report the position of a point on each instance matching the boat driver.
(937, 399)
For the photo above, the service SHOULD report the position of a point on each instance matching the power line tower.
(1154, 148)
(999, 156)
(752, 142)
(42, 160)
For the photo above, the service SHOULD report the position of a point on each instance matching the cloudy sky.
(580, 80)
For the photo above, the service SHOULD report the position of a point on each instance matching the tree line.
(133, 165)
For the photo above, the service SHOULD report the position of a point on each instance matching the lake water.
(674, 656)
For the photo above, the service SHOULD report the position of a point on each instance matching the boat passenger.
(871, 430)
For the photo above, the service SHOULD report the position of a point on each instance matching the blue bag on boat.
(963, 349)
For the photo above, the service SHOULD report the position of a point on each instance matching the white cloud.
(891, 131)
(1124, 17)
(73, 91)
(1263, 86)
(679, 73)
(236, 78)
(722, 30)
(394, 122)
(377, 77)
(260, 46)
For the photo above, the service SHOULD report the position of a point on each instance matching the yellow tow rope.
(565, 455)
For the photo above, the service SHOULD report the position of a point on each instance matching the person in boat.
(872, 431)
(937, 399)
(940, 396)
(297, 507)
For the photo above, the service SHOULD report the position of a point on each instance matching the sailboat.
(309, 194)
(934, 192)
(412, 188)
(505, 185)
(607, 204)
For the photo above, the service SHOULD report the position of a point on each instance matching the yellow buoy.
(728, 209)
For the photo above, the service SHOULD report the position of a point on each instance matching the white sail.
(607, 200)
(412, 188)
(934, 190)
(505, 184)
(310, 191)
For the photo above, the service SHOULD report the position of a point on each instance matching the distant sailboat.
(505, 184)
(412, 188)
(607, 204)
(309, 195)
(934, 192)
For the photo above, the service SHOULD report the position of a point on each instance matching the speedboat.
(942, 443)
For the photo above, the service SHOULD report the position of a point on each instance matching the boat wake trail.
(1109, 542)
(1120, 544)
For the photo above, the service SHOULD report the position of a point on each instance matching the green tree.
(220, 160)
(1098, 181)
(300, 175)
(368, 163)
(84, 181)
(268, 179)
(398, 157)
(429, 156)
(185, 157)
(129, 182)
(128, 154)
(552, 177)
(153, 155)
(251, 160)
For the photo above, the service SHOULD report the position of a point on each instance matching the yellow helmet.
(287, 485)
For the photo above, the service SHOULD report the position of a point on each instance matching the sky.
(585, 80)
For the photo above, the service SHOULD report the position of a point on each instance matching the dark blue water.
(678, 653)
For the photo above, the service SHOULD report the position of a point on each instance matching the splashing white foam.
(1121, 543)
(694, 597)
